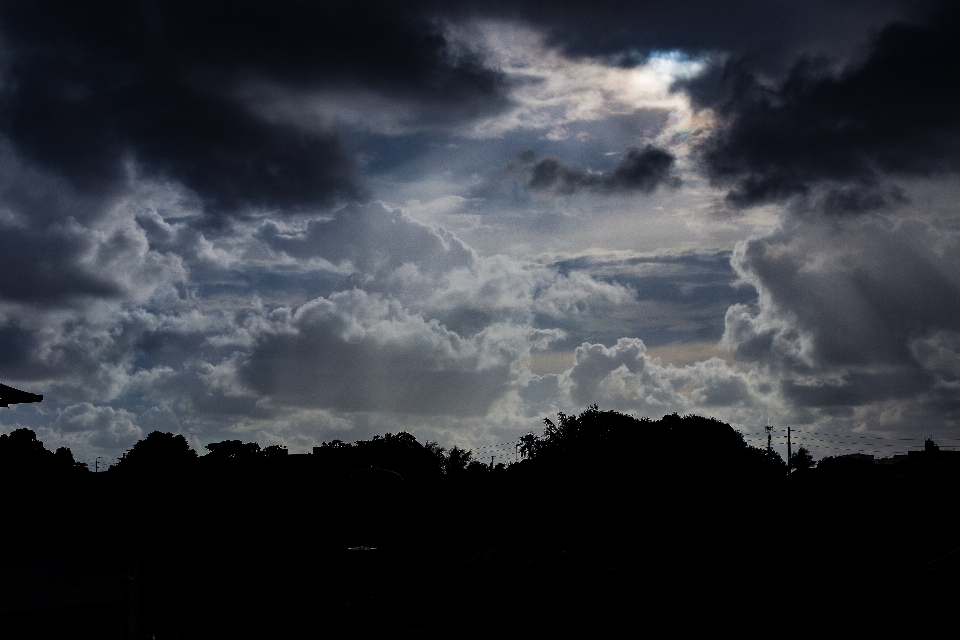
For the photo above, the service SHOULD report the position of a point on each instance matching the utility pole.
(96, 465)
(768, 428)
(788, 449)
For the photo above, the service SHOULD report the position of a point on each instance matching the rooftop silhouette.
(9, 395)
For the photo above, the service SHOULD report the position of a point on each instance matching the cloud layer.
(292, 221)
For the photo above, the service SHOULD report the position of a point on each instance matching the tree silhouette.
(801, 460)
(274, 451)
(21, 453)
(157, 453)
(64, 460)
(437, 453)
(457, 460)
(233, 450)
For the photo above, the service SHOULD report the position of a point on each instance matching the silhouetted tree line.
(251, 541)
(611, 444)
(595, 446)
(168, 454)
(21, 454)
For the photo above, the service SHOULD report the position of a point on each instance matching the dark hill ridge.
(609, 523)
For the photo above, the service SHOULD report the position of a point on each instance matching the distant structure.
(932, 453)
(9, 396)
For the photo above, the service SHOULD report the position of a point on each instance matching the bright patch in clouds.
(553, 92)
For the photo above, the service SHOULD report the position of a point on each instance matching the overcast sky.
(289, 222)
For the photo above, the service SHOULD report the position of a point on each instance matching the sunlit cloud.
(553, 92)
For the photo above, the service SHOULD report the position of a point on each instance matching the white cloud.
(90, 427)
(624, 377)
(551, 91)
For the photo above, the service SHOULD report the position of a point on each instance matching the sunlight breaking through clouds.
(552, 92)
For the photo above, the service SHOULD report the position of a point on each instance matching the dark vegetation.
(609, 524)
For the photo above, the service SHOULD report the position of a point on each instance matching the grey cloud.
(715, 384)
(594, 364)
(850, 314)
(626, 378)
(88, 89)
(874, 288)
(100, 427)
(18, 344)
(854, 199)
(856, 389)
(430, 270)
(426, 315)
(372, 239)
(68, 265)
(48, 267)
(108, 358)
(750, 340)
(358, 352)
(429, 329)
(680, 297)
(939, 353)
(892, 113)
(773, 31)
(640, 170)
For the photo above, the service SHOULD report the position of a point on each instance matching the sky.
(290, 222)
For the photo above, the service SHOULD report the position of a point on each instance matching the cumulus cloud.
(625, 377)
(850, 314)
(421, 326)
(427, 326)
(428, 268)
(100, 427)
(371, 240)
(355, 351)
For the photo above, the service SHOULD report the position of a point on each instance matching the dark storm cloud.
(627, 30)
(46, 268)
(857, 388)
(17, 346)
(895, 113)
(89, 87)
(640, 170)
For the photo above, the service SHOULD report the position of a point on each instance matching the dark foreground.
(546, 548)
(487, 566)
